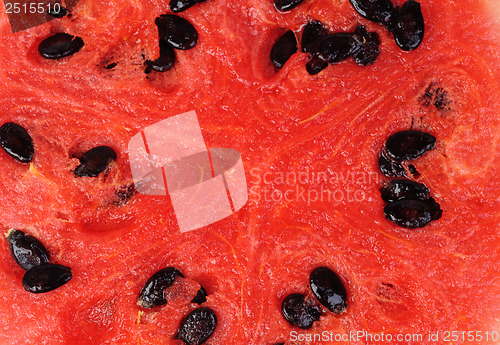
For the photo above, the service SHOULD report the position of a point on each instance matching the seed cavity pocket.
(409, 202)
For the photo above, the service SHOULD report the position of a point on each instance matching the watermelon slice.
(310, 147)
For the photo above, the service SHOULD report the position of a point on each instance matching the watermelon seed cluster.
(31, 255)
(409, 202)
(17, 143)
(332, 48)
(198, 325)
(328, 289)
(406, 23)
(327, 48)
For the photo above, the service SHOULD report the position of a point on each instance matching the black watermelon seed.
(283, 49)
(95, 161)
(408, 26)
(111, 65)
(201, 296)
(298, 312)
(328, 289)
(413, 213)
(46, 277)
(152, 294)
(286, 5)
(407, 145)
(368, 47)
(177, 31)
(181, 5)
(313, 33)
(400, 189)
(315, 65)
(57, 11)
(16, 142)
(379, 11)
(166, 59)
(337, 47)
(389, 167)
(26, 250)
(197, 327)
(59, 45)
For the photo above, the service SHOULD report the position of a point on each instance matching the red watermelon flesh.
(292, 130)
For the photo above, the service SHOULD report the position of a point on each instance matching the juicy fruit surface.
(443, 277)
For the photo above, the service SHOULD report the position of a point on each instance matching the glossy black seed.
(401, 189)
(198, 326)
(337, 47)
(408, 26)
(286, 5)
(111, 65)
(283, 49)
(95, 161)
(59, 45)
(380, 11)
(177, 31)
(298, 312)
(201, 296)
(46, 277)
(328, 289)
(57, 11)
(153, 293)
(166, 59)
(389, 167)
(16, 142)
(315, 65)
(368, 47)
(313, 33)
(26, 250)
(413, 213)
(181, 5)
(406, 145)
